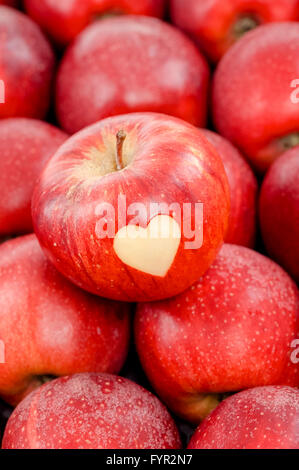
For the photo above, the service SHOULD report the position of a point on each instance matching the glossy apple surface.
(231, 330)
(26, 66)
(260, 418)
(131, 64)
(49, 327)
(279, 211)
(63, 21)
(91, 411)
(81, 224)
(217, 24)
(255, 96)
(243, 191)
(26, 145)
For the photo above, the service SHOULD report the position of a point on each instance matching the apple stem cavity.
(120, 138)
(108, 14)
(43, 379)
(290, 141)
(244, 24)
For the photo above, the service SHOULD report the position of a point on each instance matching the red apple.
(91, 411)
(255, 102)
(9, 3)
(63, 21)
(26, 66)
(243, 191)
(217, 24)
(134, 207)
(127, 64)
(49, 327)
(279, 211)
(26, 145)
(260, 418)
(233, 329)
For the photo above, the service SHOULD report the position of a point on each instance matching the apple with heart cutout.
(26, 68)
(134, 207)
(255, 93)
(26, 145)
(64, 22)
(260, 418)
(216, 25)
(131, 64)
(91, 411)
(243, 191)
(49, 327)
(234, 329)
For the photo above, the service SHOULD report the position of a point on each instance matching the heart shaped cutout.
(150, 250)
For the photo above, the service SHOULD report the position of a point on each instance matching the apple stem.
(245, 24)
(120, 138)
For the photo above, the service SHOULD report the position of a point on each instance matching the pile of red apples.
(149, 224)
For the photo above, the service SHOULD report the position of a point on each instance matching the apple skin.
(260, 418)
(252, 93)
(212, 23)
(49, 327)
(168, 161)
(131, 64)
(10, 3)
(91, 411)
(26, 145)
(26, 66)
(279, 213)
(63, 24)
(243, 189)
(230, 331)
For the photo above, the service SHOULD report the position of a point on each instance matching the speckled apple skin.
(26, 66)
(230, 331)
(26, 145)
(49, 326)
(211, 23)
(64, 23)
(243, 191)
(279, 211)
(260, 418)
(252, 103)
(172, 162)
(91, 411)
(128, 64)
